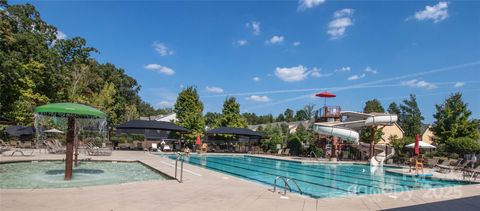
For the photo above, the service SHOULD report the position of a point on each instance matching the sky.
(273, 55)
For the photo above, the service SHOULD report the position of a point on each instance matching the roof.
(17, 130)
(152, 125)
(235, 131)
(424, 128)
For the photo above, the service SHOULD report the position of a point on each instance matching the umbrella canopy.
(53, 130)
(151, 125)
(17, 130)
(422, 145)
(199, 140)
(67, 109)
(5, 121)
(325, 94)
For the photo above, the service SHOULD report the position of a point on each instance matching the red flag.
(199, 140)
(417, 145)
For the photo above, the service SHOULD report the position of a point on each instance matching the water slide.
(347, 130)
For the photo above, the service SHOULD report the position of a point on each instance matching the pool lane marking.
(267, 173)
(173, 166)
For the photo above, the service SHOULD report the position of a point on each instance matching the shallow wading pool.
(50, 174)
(316, 180)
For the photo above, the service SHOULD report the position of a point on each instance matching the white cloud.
(255, 26)
(342, 19)
(436, 13)
(343, 69)
(316, 72)
(419, 84)
(256, 79)
(258, 98)
(162, 49)
(307, 4)
(296, 43)
(159, 68)
(459, 84)
(292, 74)
(275, 40)
(213, 89)
(165, 104)
(60, 35)
(240, 42)
(369, 69)
(356, 77)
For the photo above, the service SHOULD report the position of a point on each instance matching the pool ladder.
(286, 184)
(180, 157)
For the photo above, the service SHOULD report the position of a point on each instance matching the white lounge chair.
(167, 148)
(154, 147)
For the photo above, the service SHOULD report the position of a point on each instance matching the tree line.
(38, 68)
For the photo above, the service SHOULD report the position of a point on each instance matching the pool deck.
(203, 189)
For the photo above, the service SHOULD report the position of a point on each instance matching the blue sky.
(274, 55)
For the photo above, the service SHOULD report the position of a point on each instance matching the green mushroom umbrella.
(71, 111)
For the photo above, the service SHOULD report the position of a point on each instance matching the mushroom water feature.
(76, 116)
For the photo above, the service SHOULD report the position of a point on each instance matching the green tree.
(309, 110)
(231, 114)
(301, 115)
(213, 119)
(393, 108)
(452, 121)
(105, 101)
(462, 146)
(280, 118)
(288, 115)
(372, 106)
(410, 117)
(188, 109)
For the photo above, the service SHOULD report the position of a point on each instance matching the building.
(427, 135)
(389, 131)
(171, 117)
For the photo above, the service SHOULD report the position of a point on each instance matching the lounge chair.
(4, 146)
(432, 162)
(154, 147)
(451, 166)
(98, 151)
(286, 152)
(471, 172)
(167, 148)
(280, 152)
(54, 147)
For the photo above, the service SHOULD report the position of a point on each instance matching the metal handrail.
(296, 184)
(286, 185)
(315, 155)
(180, 157)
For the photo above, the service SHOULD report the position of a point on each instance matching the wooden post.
(69, 153)
(334, 147)
(372, 141)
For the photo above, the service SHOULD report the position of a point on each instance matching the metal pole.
(69, 153)
(181, 170)
(372, 140)
(176, 161)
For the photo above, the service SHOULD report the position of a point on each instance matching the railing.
(286, 185)
(180, 157)
(314, 155)
(328, 112)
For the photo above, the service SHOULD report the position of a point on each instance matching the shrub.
(294, 145)
(318, 151)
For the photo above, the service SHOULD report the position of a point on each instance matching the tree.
(231, 114)
(309, 110)
(188, 109)
(301, 115)
(213, 119)
(288, 115)
(410, 117)
(280, 118)
(462, 146)
(452, 121)
(372, 106)
(393, 108)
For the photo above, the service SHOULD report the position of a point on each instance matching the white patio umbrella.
(53, 130)
(422, 145)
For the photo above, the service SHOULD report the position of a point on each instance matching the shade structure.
(18, 130)
(151, 125)
(325, 94)
(70, 109)
(235, 131)
(422, 145)
(53, 130)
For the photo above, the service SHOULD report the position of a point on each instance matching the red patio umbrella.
(199, 140)
(325, 95)
(416, 148)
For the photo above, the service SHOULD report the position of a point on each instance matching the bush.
(462, 146)
(318, 151)
(294, 145)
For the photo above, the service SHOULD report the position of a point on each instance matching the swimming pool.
(317, 180)
(50, 174)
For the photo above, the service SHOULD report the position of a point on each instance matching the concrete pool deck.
(203, 189)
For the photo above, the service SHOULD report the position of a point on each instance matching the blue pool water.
(315, 180)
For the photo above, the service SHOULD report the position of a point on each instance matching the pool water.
(50, 174)
(316, 180)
